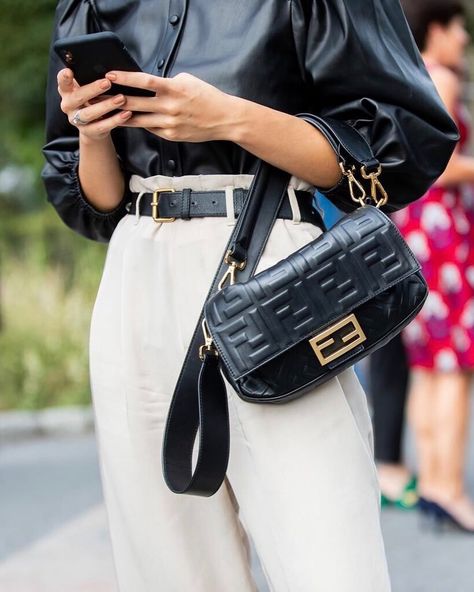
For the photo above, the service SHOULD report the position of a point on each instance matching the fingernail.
(125, 114)
(111, 76)
(105, 84)
(119, 99)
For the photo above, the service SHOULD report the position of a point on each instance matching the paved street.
(54, 537)
(423, 560)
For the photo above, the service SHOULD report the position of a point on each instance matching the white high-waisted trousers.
(301, 479)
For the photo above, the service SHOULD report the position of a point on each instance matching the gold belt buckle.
(154, 205)
(324, 340)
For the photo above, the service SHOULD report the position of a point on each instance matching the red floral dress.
(439, 228)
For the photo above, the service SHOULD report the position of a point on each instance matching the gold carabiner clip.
(230, 274)
(354, 184)
(208, 342)
(376, 187)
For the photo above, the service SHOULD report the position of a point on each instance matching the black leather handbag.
(278, 334)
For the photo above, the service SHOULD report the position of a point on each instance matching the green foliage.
(470, 17)
(25, 31)
(49, 277)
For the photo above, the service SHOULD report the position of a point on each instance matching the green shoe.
(407, 501)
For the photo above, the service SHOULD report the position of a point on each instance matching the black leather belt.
(188, 204)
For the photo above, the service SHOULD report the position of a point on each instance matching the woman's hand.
(93, 107)
(185, 108)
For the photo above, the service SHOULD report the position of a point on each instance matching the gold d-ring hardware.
(154, 205)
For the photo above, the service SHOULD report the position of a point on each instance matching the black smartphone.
(91, 56)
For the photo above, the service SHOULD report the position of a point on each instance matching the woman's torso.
(249, 49)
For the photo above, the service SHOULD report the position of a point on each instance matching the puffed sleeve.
(60, 172)
(363, 68)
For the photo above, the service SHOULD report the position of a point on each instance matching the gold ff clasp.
(335, 341)
(154, 205)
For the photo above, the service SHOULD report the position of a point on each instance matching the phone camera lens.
(68, 57)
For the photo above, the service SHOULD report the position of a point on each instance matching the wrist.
(85, 140)
(237, 124)
(248, 120)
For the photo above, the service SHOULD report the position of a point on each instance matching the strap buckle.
(155, 202)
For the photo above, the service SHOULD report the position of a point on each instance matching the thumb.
(66, 79)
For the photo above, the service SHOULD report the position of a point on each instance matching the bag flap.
(359, 257)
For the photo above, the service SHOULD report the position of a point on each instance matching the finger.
(65, 80)
(92, 90)
(149, 120)
(85, 93)
(103, 126)
(99, 99)
(98, 110)
(149, 104)
(140, 80)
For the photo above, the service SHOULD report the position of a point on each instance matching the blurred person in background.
(440, 230)
(387, 386)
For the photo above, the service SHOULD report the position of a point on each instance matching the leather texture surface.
(353, 61)
(196, 204)
(356, 266)
(381, 318)
(191, 408)
(201, 404)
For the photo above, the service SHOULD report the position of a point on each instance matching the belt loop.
(239, 198)
(295, 207)
(186, 204)
(137, 207)
(229, 205)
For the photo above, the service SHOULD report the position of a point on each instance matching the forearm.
(101, 179)
(286, 141)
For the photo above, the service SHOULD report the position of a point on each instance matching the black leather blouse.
(352, 60)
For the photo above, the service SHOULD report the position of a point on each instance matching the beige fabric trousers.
(301, 479)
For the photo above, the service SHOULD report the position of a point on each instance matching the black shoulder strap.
(190, 410)
(199, 401)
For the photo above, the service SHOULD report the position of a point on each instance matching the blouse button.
(161, 63)
(171, 165)
(174, 20)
